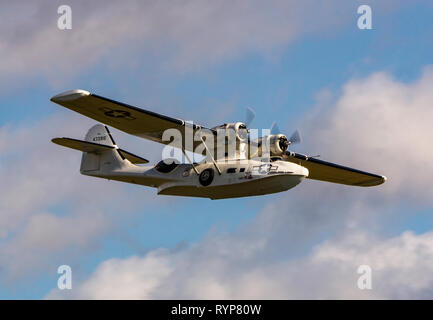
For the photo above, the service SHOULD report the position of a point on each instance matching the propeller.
(284, 143)
(249, 116)
(274, 128)
(295, 138)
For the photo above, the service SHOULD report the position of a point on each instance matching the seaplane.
(234, 162)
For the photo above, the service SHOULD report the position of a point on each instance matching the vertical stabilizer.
(97, 163)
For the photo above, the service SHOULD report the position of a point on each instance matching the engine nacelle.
(278, 144)
(239, 129)
(273, 145)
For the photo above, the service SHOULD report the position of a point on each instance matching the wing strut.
(189, 160)
(212, 158)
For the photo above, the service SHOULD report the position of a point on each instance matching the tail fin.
(100, 153)
(101, 135)
(102, 160)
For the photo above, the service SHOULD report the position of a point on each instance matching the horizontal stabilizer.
(92, 147)
(132, 157)
(80, 145)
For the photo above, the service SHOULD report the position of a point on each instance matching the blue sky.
(283, 82)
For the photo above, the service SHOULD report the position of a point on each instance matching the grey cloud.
(181, 35)
(47, 209)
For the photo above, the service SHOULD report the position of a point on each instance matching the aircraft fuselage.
(237, 179)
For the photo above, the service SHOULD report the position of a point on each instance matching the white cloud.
(154, 269)
(382, 125)
(369, 127)
(401, 268)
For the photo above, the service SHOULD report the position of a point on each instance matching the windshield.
(166, 166)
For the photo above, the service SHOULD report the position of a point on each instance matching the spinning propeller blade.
(274, 128)
(295, 137)
(249, 116)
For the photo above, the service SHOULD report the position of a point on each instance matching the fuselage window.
(231, 170)
(241, 169)
(164, 167)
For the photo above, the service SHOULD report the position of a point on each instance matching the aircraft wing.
(331, 172)
(136, 121)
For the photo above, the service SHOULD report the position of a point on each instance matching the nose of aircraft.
(303, 171)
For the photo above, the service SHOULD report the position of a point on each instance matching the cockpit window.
(166, 166)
